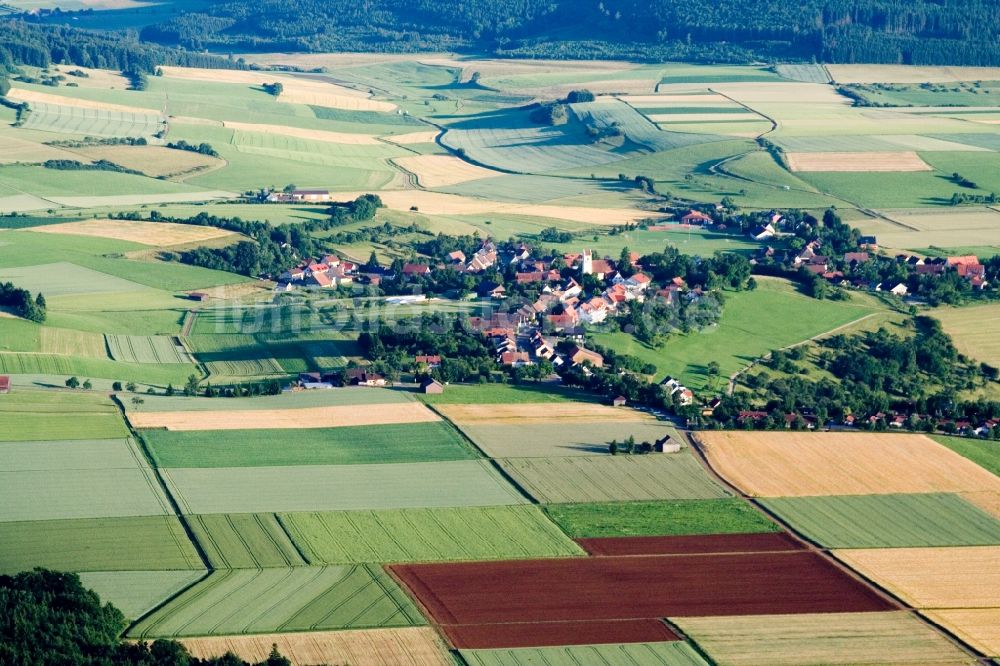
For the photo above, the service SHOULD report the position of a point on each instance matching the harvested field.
(730, 515)
(400, 443)
(979, 627)
(427, 535)
(934, 578)
(502, 414)
(443, 170)
(97, 544)
(910, 74)
(244, 541)
(414, 646)
(667, 653)
(888, 521)
(540, 440)
(310, 134)
(613, 478)
(34, 97)
(135, 593)
(561, 634)
(668, 118)
(248, 601)
(594, 589)
(856, 162)
(154, 161)
(783, 92)
(147, 349)
(306, 417)
(855, 639)
(339, 487)
(97, 78)
(412, 138)
(690, 545)
(14, 149)
(783, 464)
(87, 121)
(438, 203)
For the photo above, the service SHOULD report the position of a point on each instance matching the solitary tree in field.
(130, 387)
(87, 385)
(191, 386)
(73, 382)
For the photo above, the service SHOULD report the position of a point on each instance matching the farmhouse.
(695, 217)
(578, 355)
(431, 386)
(363, 377)
(416, 269)
(4, 384)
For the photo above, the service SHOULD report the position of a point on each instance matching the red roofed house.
(695, 217)
(578, 355)
(856, 257)
(515, 359)
(429, 361)
(363, 377)
(4, 384)
(416, 269)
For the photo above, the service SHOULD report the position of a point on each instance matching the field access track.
(606, 589)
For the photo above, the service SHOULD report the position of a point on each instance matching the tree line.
(20, 302)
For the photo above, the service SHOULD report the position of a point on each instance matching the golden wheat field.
(797, 464)
(443, 170)
(933, 578)
(96, 78)
(156, 234)
(154, 161)
(307, 417)
(856, 162)
(13, 149)
(988, 501)
(979, 627)
(22, 95)
(974, 330)
(579, 412)
(411, 138)
(415, 646)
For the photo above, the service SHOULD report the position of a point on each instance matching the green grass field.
(339, 487)
(53, 425)
(89, 368)
(244, 541)
(135, 593)
(888, 521)
(752, 324)
(674, 653)
(980, 451)
(100, 544)
(92, 122)
(70, 455)
(612, 478)
(674, 518)
(292, 599)
(395, 443)
(419, 535)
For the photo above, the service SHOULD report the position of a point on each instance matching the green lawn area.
(888, 521)
(985, 453)
(752, 324)
(487, 394)
(397, 443)
(672, 518)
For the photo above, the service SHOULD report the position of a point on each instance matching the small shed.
(619, 401)
(4, 384)
(432, 386)
(667, 445)
(198, 296)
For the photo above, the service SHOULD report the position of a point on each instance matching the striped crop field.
(332, 398)
(249, 601)
(97, 544)
(666, 653)
(48, 117)
(135, 593)
(233, 356)
(613, 478)
(422, 535)
(147, 349)
(888, 521)
(68, 342)
(244, 541)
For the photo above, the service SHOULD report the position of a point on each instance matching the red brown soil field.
(618, 588)
(689, 545)
(546, 634)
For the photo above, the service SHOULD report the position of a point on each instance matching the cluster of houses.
(299, 196)
(682, 394)
(325, 272)
(897, 421)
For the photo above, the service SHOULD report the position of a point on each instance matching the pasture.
(68, 342)
(97, 544)
(427, 535)
(48, 424)
(244, 541)
(888, 521)
(789, 464)
(573, 479)
(885, 638)
(147, 349)
(339, 487)
(667, 653)
(729, 515)
(248, 601)
(938, 232)
(348, 445)
(934, 578)
(971, 329)
(135, 593)
(374, 647)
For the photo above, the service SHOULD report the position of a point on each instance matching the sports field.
(783, 464)
(820, 639)
(656, 476)
(427, 535)
(394, 443)
(339, 487)
(249, 601)
(888, 521)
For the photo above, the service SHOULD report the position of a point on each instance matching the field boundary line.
(295, 544)
(825, 554)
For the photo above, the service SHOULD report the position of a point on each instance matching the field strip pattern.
(820, 639)
(856, 162)
(416, 646)
(244, 541)
(667, 653)
(612, 478)
(331, 398)
(339, 487)
(783, 464)
(135, 593)
(306, 417)
(422, 535)
(155, 234)
(499, 414)
(147, 349)
(249, 601)
(556, 438)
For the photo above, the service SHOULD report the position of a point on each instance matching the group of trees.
(50, 618)
(201, 148)
(20, 302)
